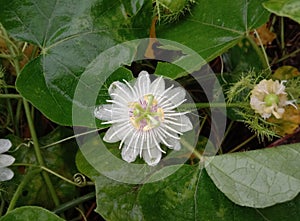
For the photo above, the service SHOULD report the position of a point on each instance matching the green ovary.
(271, 99)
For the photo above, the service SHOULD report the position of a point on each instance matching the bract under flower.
(269, 98)
(5, 160)
(143, 116)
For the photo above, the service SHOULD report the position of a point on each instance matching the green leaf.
(259, 178)
(32, 213)
(214, 26)
(287, 8)
(169, 70)
(95, 94)
(172, 198)
(243, 57)
(70, 35)
(190, 194)
(115, 201)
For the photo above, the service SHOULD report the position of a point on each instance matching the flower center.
(271, 99)
(145, 114)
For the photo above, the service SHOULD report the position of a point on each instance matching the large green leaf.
(32, 213)
(214, 26)
(244, 57)
(259, 178)
(190, 194)
(115, 201)
(70, 34)
(287, 8)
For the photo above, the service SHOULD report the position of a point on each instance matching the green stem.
(14, 50)
(2, 207)
(8, 86)
(38, 154)
(6, 38)
(10, 96)
(282, 35)
(288, 56)
(260, 53)
(19, 190)
(49, 171)
(242, 144)
(10, 111)
(202, 124)
(191, 148)
(226, 134)
(71, 204)
(61, 177)
(18, 116)
(211, 105)
(71, 137)
(262, 48)
(6, 56)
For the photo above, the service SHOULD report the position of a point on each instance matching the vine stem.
(212, 105)
(263, 49)
(19, 190)
(288, 56)
(14, 50)
(38, 154)
(52, 172)
(10, 96)
(191, 148)
(243, 143)
(71, 137)
(282, 34)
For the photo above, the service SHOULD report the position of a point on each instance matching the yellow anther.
(134, 122)
(161, 113)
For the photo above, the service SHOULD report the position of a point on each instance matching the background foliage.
(67, 38)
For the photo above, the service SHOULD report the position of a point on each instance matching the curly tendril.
(80, 179)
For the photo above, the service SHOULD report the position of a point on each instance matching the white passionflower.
(269, 97)
(5, 160)
(143, 116)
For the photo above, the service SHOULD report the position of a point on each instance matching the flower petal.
(175, 143)
(143, 83)
(157, 87)
(6, 174)
(116, 133)
(182, 124)
(120, 92)
(6, 160)
(129, 154)
(104, 112)
(175, 96)
(152, 156)
(5, 144)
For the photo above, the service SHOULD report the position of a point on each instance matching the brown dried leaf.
(285, 73)
(149, 51)
(289, 122)
(266, 36)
